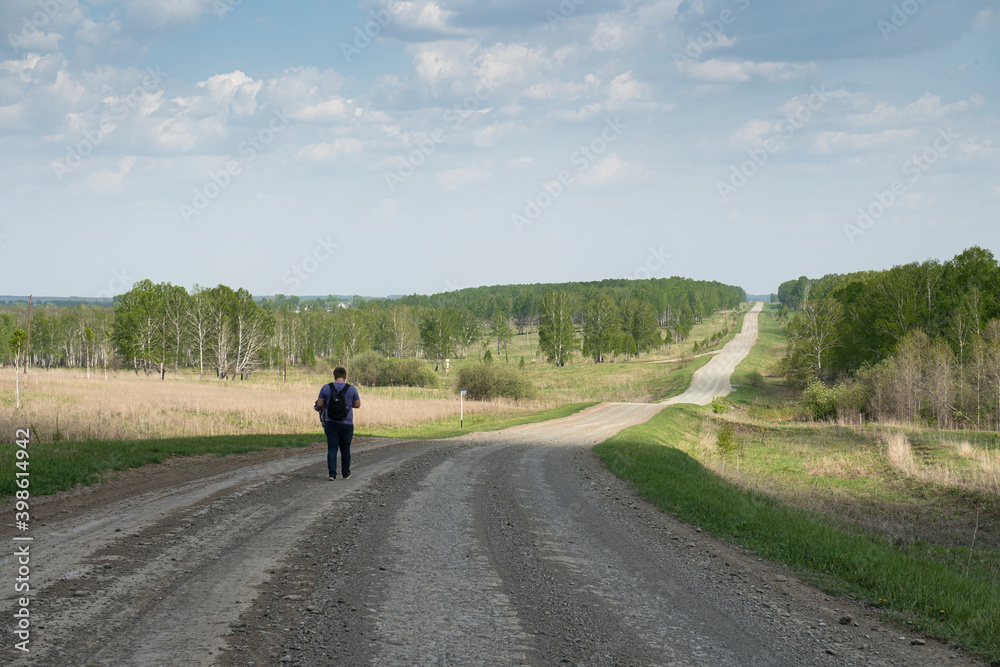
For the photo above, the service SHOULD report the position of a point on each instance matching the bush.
(756, 379)
(486, 381)
(371, 369)
(820, 401)
(729, 444)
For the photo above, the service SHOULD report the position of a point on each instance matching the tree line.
(917, 342)
(226, 332)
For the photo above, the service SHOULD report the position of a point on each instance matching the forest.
(918, 342)
(228, 333)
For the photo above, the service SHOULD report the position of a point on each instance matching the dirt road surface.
(508, 548)
(713, 378)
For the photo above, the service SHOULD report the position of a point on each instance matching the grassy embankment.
(912, 535)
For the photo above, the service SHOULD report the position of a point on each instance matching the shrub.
(820, 401)
(755, 379)
(371, 369)
(487, 381)
(729, 444)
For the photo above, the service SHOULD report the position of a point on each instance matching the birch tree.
(556, 333)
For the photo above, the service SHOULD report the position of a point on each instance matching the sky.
(387, 147)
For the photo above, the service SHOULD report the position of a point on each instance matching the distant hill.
(753, 298)
(56, 300)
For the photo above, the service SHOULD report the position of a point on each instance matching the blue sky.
(389, 147)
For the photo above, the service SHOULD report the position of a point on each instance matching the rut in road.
(519, 548)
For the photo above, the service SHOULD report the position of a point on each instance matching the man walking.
(337, 402)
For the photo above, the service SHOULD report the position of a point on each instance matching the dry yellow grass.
(128, 407)
(842, 465)
(898, 451)
(977, 469)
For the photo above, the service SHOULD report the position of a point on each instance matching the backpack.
(338, 408)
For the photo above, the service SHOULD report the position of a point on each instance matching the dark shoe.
(347, 476)
(332, 478)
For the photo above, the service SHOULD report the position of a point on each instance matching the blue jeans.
(338, 436)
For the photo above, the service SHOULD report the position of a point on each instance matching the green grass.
(59, 466)
(774, 400)
(448, 428)
(931, 595)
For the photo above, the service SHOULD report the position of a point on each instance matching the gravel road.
(506, 548)
(712, 379)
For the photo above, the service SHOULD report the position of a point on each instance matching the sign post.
(461, 420)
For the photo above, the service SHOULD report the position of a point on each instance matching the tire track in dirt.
(166, 592)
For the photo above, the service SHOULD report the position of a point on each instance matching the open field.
(63, 405)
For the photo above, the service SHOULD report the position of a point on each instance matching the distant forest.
(917, 343)
(225, 332)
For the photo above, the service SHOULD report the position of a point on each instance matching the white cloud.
(928, 108)
(460, 66)
(37, 41)
(97, 34)
(452, 180)
(109, 181)
(609, 35)
(12, 116)
(978, 149)
(839, 141)
(489, 136)
(425, 16)
(605, 171)
(730, 71)
(163, 13)
(325, 152)
(235, 92)
(336, 108)
(624, 88)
